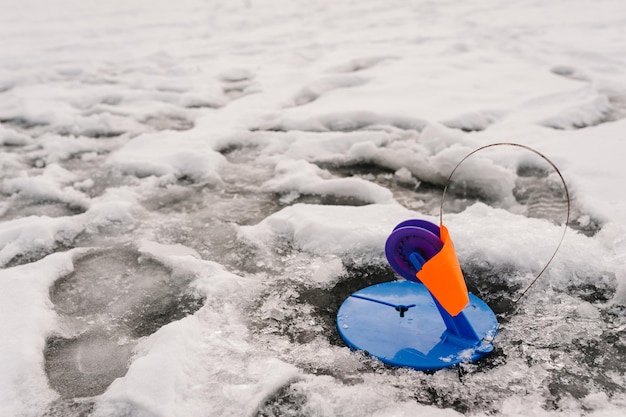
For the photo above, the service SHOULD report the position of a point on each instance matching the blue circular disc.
(370, 320)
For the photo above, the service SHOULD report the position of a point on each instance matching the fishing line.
(545, 158)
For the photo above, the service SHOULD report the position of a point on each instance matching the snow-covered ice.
(189, 191)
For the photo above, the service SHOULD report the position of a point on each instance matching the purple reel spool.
(417, 238)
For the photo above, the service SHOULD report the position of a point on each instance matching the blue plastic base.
(400, 324)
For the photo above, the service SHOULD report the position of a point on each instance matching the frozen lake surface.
(190, 190)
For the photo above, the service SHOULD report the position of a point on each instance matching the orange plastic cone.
(442, 275)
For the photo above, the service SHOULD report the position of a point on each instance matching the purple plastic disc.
(422, 224)
(405, 240)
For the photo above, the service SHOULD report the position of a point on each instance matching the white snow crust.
(238, 166)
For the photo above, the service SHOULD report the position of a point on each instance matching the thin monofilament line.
(445, 189)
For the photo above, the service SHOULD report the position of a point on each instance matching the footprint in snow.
(360, 64)
(316, 89)
(113, 297)
(237, 82)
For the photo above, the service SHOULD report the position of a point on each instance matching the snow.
(167, 156)
(27, 318)
(303, 177)
(189, 191)
(47, 187)
(324, 230)
(181, 370)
